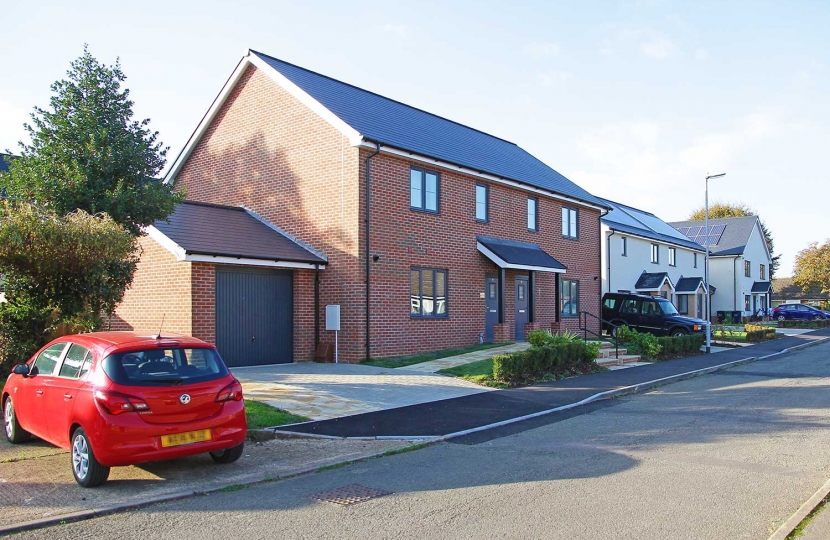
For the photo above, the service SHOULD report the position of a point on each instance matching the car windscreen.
(667, 307)
(164, 366)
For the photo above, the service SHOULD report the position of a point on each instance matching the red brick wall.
(160, 290)
(404, 238)
(203, 285)
(271, 153)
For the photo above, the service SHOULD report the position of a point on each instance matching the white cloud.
(657, 46)
(11, 126)
(401, 30)
(538, 49)
(701, 54)
(554, 78)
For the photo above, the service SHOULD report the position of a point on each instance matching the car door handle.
(39, 392)
(67, 396)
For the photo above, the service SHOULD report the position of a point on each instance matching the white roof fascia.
(251, 59)
(345, 129)
(218, 259)
(501, 263)
(464, 170)
(166, 242)
(206, 121)
(653, 241)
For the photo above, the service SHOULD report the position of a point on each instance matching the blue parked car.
(788, 312)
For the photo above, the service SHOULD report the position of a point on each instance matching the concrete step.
(623, 359)
(609, 352)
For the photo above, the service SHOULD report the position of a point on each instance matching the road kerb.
(803, 511)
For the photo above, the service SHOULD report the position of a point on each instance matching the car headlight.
(696, 328)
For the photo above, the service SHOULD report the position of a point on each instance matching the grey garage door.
(254, 316)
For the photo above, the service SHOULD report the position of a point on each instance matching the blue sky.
(633, 100)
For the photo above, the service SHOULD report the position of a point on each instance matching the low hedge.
(822, 323)
(536, 362)
(681, 344)
(756, 333)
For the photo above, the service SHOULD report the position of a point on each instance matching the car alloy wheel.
(8, 416)
(86, 469)
(782, 318)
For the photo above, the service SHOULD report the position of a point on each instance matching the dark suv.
(651, 314)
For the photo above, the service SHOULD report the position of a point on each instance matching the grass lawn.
(480, 372)
(261, 415)
(401, 361)
(729, 336)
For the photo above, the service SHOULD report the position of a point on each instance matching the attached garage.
(225, 275)
(254, 316)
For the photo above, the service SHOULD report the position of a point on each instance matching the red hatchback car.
(120, 398)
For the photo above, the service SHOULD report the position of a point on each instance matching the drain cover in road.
(351, 494)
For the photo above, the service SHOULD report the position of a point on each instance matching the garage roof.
(230, 234)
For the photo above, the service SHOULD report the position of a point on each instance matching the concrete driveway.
(323, 391)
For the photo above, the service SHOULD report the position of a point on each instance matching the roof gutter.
(368, 250)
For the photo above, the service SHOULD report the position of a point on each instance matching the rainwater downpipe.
(608, 271)
(368, 250)
(735, 284)
(316, 305)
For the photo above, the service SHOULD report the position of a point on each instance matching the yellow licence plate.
(188, 437)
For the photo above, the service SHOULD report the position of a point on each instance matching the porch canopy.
(691, 285)
(653, 282)
(518, 255)
(761, 287)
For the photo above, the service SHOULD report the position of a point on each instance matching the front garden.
(751, 333)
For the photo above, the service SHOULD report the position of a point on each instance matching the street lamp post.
(708, 310)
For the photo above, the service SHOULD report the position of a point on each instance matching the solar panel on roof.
(683, 230)
(694, 231)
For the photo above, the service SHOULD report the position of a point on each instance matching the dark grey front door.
(254, 316)
(699, 306)
(491, 303)
(522, 315)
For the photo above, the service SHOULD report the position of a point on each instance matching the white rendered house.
(642, 253)
(739, 262)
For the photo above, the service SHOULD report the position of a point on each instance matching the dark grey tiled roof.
(523, 253)
(627, 219)
(688, 284)
(651, 280)
(230, 231)
(735, 235)
(389, 122)
(761, 286)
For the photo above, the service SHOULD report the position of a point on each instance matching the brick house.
(468, 235)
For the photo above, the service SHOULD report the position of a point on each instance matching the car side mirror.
(20, 369)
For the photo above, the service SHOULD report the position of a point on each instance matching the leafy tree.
(58, 270)
(812, 267)
(88, 153)
(78, 197)
(733, 210)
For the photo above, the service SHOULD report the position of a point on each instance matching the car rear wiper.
(171, 381)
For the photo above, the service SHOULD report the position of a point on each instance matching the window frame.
(570, 295)
(77, 375)
(58, 362)
(624, 246)
(435, 272)
(570, 234)
(747, 302)
(486, 218)
(695, 258)
(423, 208)
(672, 256)
(535, 201)
(685, 309)
(747, 269)
(655, 253)
(762, 272)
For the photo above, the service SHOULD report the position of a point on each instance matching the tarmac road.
(728, 455)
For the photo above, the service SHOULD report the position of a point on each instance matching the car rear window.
(164, 366)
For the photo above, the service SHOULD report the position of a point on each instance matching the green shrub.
(824, 323)
(537, 362)
(625, 334)
(681, 344)
(537, 338)
(648, 345)
(540, 338)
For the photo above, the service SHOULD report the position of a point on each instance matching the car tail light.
(116, 403)
(232, 392)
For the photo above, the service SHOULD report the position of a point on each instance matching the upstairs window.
(623, 246)
(532, 216)
(763, 272)
(482, 196)
(655, 253)
(695, 256)
(423, 190)
(747, 269)
(569, 222)
(672, 256)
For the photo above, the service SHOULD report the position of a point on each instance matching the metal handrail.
(586, 331)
